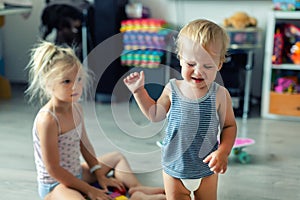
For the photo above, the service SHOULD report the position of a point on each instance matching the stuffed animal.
(240, 20)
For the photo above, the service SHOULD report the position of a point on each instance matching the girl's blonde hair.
(203, 32)
(49, 62)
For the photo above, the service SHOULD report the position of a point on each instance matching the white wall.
(21, 34)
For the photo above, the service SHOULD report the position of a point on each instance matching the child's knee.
(118, 155)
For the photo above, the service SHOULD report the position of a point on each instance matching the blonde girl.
(196, 108)
(58, 79)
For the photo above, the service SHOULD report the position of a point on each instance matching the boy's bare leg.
(175, 190)
(208, 188)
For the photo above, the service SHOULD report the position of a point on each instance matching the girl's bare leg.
(118, 162)
(147, 190)
(142, 196)
(61, 191)
(122, 172)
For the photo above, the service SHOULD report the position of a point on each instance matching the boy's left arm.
(218, 160)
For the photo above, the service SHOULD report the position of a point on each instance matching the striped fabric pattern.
(191, 134)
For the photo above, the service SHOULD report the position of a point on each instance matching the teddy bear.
(240, 20)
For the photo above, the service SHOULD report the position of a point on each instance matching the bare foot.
(146, 190)
(142, 196)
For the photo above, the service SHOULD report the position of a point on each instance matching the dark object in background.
(68, 17)
(108, 17)
(233, 76)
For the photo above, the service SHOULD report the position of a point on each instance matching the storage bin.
(284, 104)
(244, 38)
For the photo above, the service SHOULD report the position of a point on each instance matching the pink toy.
(239, 145)
(241, 142)
(284, 84)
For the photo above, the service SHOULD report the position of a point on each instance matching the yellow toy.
(240, 20)
(122, 197)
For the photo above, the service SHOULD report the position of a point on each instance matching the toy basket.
(244, 38)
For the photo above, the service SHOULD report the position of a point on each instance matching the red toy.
(278, 48)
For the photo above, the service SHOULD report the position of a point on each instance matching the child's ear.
(178, 57)
(180, 61)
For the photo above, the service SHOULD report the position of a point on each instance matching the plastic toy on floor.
(239, 145)
(117, 194)
(113, 192)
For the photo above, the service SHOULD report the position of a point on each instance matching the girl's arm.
(90, 157)
(86, 147)
(154, 110)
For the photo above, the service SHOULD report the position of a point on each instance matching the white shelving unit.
(287, 106)
(14, 10)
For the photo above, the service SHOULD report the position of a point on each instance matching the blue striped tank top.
(191, 134)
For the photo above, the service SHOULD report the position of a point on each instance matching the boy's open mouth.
(198, 80)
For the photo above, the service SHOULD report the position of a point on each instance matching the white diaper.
(192, 185)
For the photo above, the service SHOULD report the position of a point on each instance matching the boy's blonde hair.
(48, 63)
(203, 32)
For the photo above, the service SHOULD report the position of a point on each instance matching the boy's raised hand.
(135, 81)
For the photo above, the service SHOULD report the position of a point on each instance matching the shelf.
(287, 14)
(286, 66)
(9, 10)
(243, 47)
(281, 106)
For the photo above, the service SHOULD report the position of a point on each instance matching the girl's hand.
(217, 162)
(135, 81)
(97, 194)
(105, 182)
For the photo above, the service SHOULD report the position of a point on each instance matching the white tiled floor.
(272, 174)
